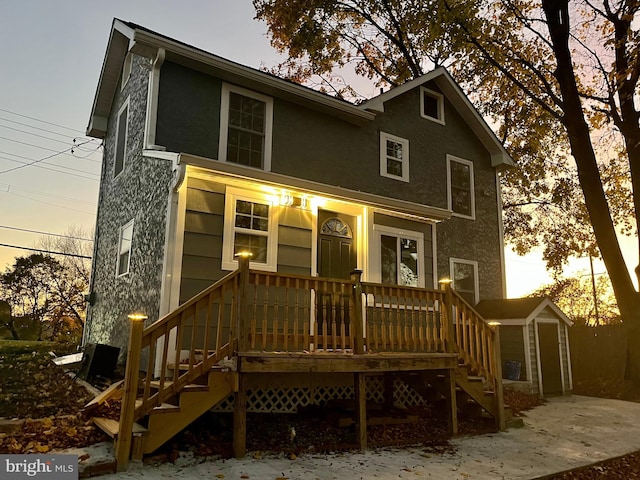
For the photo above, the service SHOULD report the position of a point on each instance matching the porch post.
(357, 323)
(452, 420)
(360, 388)
(449, 319)
(497, 372)
(243, 284)
(240, 418)
(127, 408)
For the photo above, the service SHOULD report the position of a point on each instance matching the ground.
(49, 402)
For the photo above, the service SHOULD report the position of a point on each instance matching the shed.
(534, 340)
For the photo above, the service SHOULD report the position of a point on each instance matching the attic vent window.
(432, 105)
(246, 119)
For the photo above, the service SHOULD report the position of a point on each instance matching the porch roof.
(519, 311)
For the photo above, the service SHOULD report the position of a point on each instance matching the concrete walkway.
(562, 434)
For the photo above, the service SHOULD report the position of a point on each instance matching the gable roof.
(127, 36)
(518, 309)
(454, 94)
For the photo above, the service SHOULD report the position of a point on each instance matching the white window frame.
(476, 283)
(439, 98)
(384, 137)
(472, 196)
(376, 263)
(122, 251)
(126, 139)
(127, 67)
(229, 262)
(224, 123)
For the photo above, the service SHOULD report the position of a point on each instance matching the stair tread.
(190, 387)
(163, 408)
(111, 427)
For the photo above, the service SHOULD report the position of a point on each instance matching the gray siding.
(188, 111)
(139, 193)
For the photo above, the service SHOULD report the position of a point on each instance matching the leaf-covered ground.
(33, 389)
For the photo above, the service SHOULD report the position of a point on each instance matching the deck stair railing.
(250, 310)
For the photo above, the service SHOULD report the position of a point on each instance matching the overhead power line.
(44, 251)
(42, 159)
(10, 188)
(38, 128)
(39, 120)
(46, 233)
(92, 176)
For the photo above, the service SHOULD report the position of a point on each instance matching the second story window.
(245, 124)
(121, 139)
(460, 186)
(394, 157)
(464, 274)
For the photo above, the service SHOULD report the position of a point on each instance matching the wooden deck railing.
(261, 311)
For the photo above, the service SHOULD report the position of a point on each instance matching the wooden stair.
(166, 420)
(473, 395)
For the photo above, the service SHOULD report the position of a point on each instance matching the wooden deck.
(256, 324)
(327, 362)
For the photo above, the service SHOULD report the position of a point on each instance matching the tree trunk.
(557, 14)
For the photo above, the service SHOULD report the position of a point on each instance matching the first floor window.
(401, 257)
(124, 248)
(250, 226)
(464, 274)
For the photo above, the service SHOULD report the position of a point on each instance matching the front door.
(336, 259)
(336, 244)
(550, 359)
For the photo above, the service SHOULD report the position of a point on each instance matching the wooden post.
(127, 408)
(452, 420)
(357, 323)
(360, 388)
(497, 372)
(243, 305)
(240, 418)
(448, 305)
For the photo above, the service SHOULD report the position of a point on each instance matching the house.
(534, 336)
(206, 160)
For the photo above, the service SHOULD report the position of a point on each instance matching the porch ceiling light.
(494, 323)
(445, 281)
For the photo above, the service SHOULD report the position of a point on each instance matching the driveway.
(562, 434)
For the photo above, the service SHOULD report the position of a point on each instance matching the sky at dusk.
(52, 53)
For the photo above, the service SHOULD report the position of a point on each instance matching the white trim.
(224, 123)
(560, 356)
(231, 196)
(434, 246)
(170, 156)
(503, 265)
(121, 251)
(539, 364)
(375, 248)
(472, 195)
(526, 340)
(570, 373)
(474, 264)
(127, 67)
(126, 135)
(439, 98)
(233, 171)
(152, 103)
(384, 138)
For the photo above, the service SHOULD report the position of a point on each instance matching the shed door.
(550, 358)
